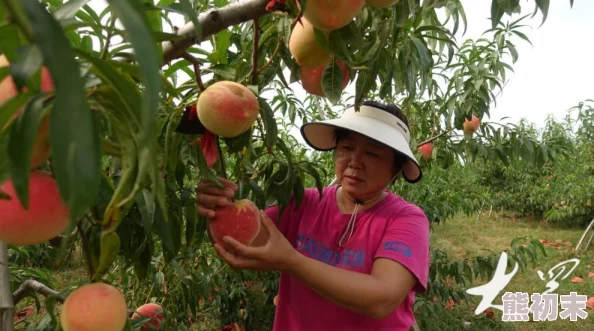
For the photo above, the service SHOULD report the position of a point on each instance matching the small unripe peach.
(46, 217)
(94, 307)
(227, 109)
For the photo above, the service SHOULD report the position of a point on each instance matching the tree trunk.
(6, 305)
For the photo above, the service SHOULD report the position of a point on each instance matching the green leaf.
(146, 206)
(74, 140)
(403, 12)
(205, 171)
(322, 39)
(236, 144)
(222, 44)
(267, 115)
(10, 107)
(28, 63)
(543, 5)
(110, 247)
(332, 81)
(141, 37)
(191, 220)
(20, 146)
(175, 226)
(69, 9)
(162, 230)
(11, 39)
(496, 13)
(193, 16)
(424, 53)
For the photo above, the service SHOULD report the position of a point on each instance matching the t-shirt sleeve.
(406, 241)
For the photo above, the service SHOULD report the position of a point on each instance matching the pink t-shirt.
(393, 228)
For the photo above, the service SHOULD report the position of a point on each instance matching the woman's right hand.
(209, 196)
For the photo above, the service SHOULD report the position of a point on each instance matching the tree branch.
(196, 63)
(213, 21)
(6, 304)
(31, 284)
(433, 138)
(269, 62)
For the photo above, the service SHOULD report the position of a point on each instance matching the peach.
(239, 220)
(94, 307)
(46, 217)
(153, 311)
(426, 150)
(381, 3)
(227, 108)
(471, 126)
(331, 15)
(311, 79)
(41, 148)
(305, 48)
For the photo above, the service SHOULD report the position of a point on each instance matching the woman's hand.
(276, 253)
(209, 196)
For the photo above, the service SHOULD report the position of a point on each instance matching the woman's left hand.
(276, 254)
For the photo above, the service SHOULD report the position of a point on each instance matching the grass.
(465, 237)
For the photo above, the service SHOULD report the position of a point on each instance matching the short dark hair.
(399, 158)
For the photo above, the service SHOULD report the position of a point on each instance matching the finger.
(206, 212)
(211, 189)
(227, 184)
(211, 201)
(268, 223)
(235, 261)
(241, 249)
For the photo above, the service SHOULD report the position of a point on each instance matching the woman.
(353, 259)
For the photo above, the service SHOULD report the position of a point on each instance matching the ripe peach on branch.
(46, 216)
(94, 307)
(227, 108)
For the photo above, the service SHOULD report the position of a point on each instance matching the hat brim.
(320, 136)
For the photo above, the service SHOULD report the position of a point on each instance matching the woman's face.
(363, 166)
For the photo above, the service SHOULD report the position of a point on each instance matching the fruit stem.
(269, 62)
(255, 52)
(196, 63)
(432, 138)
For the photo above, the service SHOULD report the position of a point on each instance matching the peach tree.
(107, 125)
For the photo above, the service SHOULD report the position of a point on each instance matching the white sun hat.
(374, 123)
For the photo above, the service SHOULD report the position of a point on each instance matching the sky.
(555, 73)
(551, 75)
